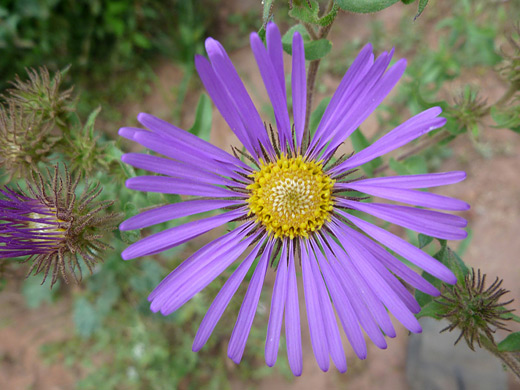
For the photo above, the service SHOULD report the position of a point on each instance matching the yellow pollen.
(291, 197)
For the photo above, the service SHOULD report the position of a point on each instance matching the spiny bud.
(474, 310)
(42, 95)
(53, 227)
(24, 141)
(468, 110)
(510, 67)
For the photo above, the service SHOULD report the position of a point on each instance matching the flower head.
(53, 227)
(296, 203)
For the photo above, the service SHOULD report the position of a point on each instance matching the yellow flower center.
(291, 197)
(46, 228)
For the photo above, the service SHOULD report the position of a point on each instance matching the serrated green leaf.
(424, 240)
(317, 114)
(510, 344)
(422, 6)
(364, 6)
(85, 317)
(203, 118)
(360, 142)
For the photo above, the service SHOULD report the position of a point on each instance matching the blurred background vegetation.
(114, 48)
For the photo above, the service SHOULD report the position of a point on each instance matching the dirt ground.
(492, 188)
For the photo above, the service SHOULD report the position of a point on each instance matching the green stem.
(508, 358)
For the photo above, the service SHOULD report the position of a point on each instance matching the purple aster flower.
(296, 203)
(52, 228)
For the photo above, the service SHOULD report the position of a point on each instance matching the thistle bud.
(24, 141)
(474, 310)
(510, 67)
(54, 228)
(42, 95)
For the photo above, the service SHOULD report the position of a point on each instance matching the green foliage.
(510, 344)
(203, 118)
(364, 6)
(313, 49)
(360, 142)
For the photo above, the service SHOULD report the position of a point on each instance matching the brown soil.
(492, 188)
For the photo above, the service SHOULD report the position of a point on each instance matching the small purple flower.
(296, 203)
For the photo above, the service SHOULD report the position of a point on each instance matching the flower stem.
(510, 359)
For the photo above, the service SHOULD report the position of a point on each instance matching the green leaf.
(203, 118)
(507, 118)
(364, 6)
(317, 114)
(360, 142)
(306, 12)
(422, 6)
(407, 1)
(451, 260)
(510, 344)
(91, 120)
(424, 240)
(432, 309)
(422, 298)
(85, 317)
(267, 12)
(510, 316)
(413, 165)
(313, 49)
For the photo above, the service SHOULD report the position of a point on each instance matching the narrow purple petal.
(417, 198)
(201, 257)
(179, 135)
(337, 353)
(314, 315)
(272, 85)
(222, 300)
(403, 216)
(173, 168)
(346, 313)
(277, 306)
(128, 132)
(177, 235)
(416, 181)
(275, 50)
(174, 211)
(226, 72)
(292, 319)
(238, 340)
(398, 268)
(405, 249)
(299, 87)
(408, 131)
(182, 293)
(172, 185)
(364, 293)
(362, 260)
(224, 103)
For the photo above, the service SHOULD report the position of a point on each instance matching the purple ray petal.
(177, 235)
(183, 292)
(346, 313)
(238, 340)
(200, 258)
(413, 128)
(362, 259)
(337, 353)
(238, 94)
(224, 103)
(314, 315)
(292, 319)
(417, 198)
(174, 211)
(173, 168)
(408, 219)
(164, 128)
(172, 185)
(222, 300)
(277, 306)
(272, 85)
(298, 86)
(275, 51)
(405, 249)
(397, 267)
(348, 273)
(416, 181)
